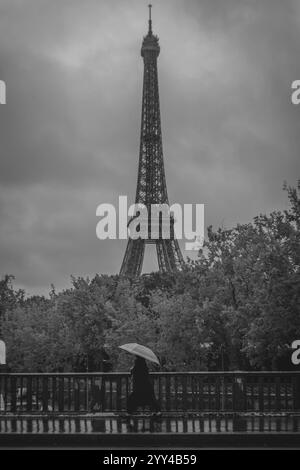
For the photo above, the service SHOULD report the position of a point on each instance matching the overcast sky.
(69, 133)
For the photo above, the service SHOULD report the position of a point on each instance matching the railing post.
(277, 394)
(110, 393)
(13, 393)
(260, 394)
(2, 392)
(69, 394)
(217, 394)
(61, 394)
(168, 392)
(200, 399)
(127, 390)
(86, 393)
(76, 395)
(193, 393)
(54, 393)
(45, 394)
(223, 386)
(29, 393)
(184, 394)
(296, 393)
(159, 391)
(103, 392)
(119, 391)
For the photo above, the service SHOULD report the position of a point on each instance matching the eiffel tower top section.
(150, 45)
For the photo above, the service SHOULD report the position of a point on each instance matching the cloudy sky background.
(69, 133)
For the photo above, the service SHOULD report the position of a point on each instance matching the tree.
(9, 297)
(236, 306)
(130, 322)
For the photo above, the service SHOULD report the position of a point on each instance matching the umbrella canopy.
(139, 350)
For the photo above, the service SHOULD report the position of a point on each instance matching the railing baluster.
(119, 390)
(234, 394)
(36, 383)
(176, 392)
(45, 394)
(61, 394)
(54, 393)
(86, 393)
(21, 393)
(260, 394)
(277, 393)
(2, 405)
(76, 394)
(127, 389)
(168, 390)
(184, 393)
(5, 392)
(29, 393)
(269, 395)
(193, 392)
(110, 394)
(209, 394)
(296, 393)
(253, 396)
(159, 390)
(217, 394)
(69, 395)
(200, 394)
(13, 391)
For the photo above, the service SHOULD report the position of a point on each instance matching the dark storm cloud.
(69, 134)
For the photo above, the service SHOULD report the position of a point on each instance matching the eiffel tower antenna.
(150, 20)
(151, 182)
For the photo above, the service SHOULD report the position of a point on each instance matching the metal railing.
(176, 391)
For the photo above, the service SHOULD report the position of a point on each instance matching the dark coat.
(142, 385)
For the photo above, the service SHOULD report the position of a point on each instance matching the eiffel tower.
(151, 181)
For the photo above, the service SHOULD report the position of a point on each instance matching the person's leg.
(151, 401)
(155, 404)
(132, 403)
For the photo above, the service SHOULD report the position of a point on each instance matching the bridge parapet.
(176, 391)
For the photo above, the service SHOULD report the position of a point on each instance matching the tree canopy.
(236, 306)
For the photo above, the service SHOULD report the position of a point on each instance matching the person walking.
(143, 391)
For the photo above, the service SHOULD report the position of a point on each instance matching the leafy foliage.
(236, 306)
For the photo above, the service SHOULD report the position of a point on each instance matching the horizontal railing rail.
(238, 391)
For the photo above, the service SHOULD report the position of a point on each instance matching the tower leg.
(169, 255)
(133, 258)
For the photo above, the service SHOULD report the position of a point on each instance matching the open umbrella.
(139, 350)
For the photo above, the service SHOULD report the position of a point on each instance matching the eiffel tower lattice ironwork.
(151, 182)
